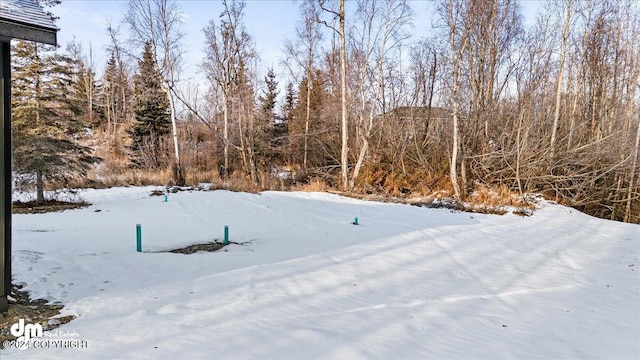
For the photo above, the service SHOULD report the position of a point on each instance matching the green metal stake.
(166, 198)
(139, 237)
(355, 221)
(226, 235)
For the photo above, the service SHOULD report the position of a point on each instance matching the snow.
(303, 282)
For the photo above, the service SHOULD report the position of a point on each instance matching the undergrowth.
(423, 189)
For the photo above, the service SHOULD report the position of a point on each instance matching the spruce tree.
(273, 133)
(46, 118)
(152, 118)
(282, 139)
(290, 102)
(268, 100)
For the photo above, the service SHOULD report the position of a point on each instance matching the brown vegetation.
(485, 111)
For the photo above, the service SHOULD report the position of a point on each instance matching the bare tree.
(304, 52)
(116, 80)
(229, 49)
(634, 167)
(452, 13)
(567, 7)
(83, 76)
(344, 154)
(494, 27)
(158, 21)
(379, 34)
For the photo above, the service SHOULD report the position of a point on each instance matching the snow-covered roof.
(26, 20)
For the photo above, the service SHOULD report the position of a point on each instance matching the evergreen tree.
(273, 134)
(281, 140)
(268, 100)
(152, 118)
(46, 117)
(289, 104)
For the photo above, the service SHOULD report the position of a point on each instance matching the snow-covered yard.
(305, 283)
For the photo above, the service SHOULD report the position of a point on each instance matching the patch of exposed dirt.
(176, 189)
(34, 207)
(442, 203)
(37, 311)
(209, 247)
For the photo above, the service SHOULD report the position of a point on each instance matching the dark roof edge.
(22, 31)
(23, 23)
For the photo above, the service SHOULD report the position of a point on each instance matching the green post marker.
(139, 237)
(355, 221)
(166, 197)
(226, 235)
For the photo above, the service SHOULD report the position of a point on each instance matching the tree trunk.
(306, 122)
(563, 52)
(627, 212)
(39, 187)
(109, 101)
(360, 162)
(457, 51)
(225, 133)
(345, 126)
(251, 148)
(178, 175)
(242, 137)
(453, 168)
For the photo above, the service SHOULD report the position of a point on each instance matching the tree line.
(482, 102)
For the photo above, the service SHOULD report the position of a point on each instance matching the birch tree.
(379, 33)
(228, 49)
(452, 14)
(304, 52)
(117, 89)
(158, 22)
(565, 24)
(339, 15)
